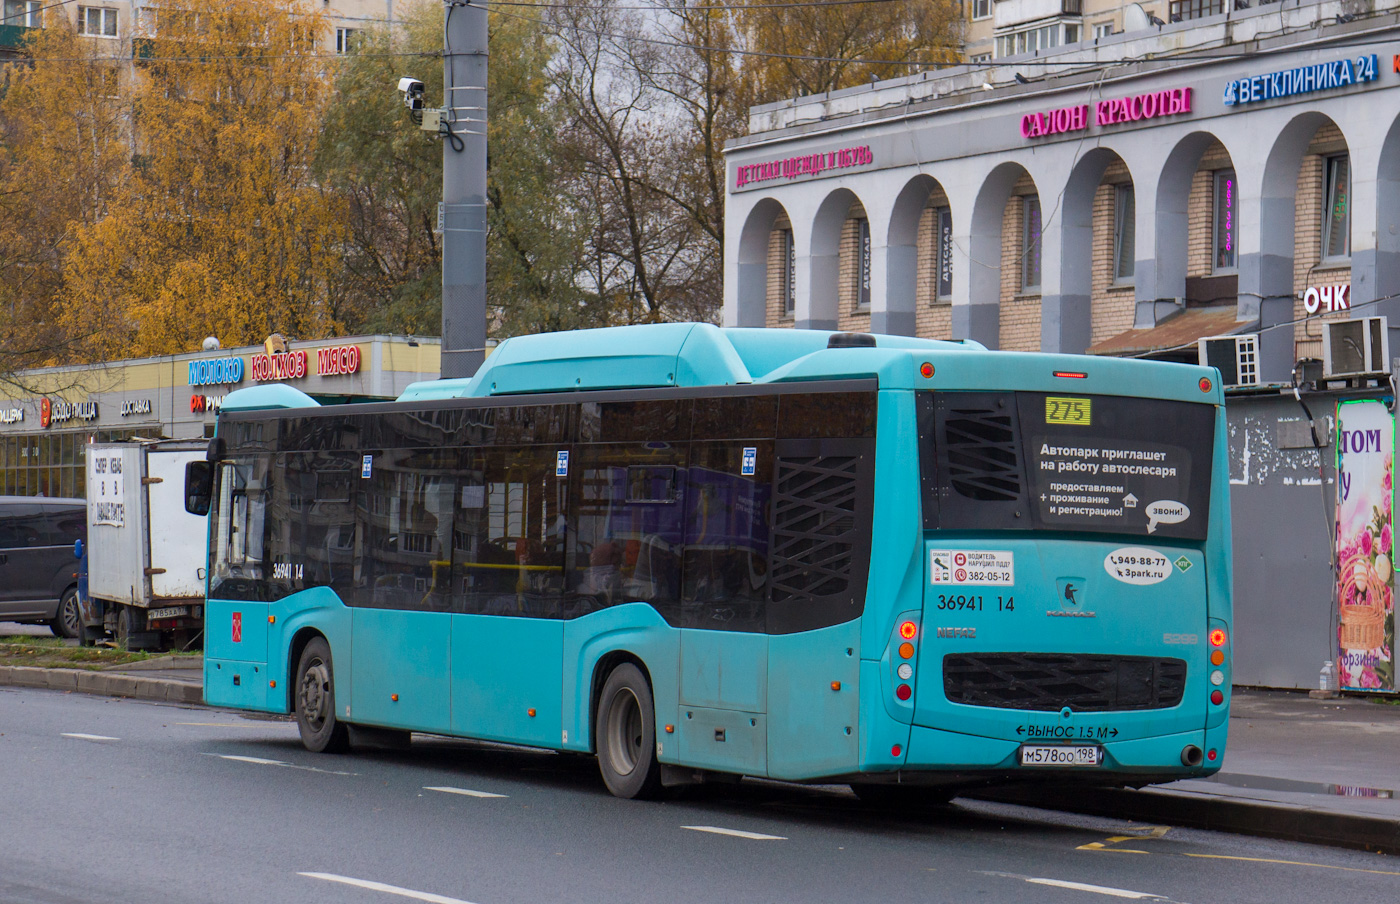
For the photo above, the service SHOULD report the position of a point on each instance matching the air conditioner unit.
(1355, 348)
(1236, 357)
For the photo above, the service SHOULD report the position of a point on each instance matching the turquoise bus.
(699, 553)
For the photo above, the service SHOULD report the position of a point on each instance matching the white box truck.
(146, 554)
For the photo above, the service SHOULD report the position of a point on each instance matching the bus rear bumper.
(1138, 761)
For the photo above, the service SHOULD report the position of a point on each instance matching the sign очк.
(1329, 299)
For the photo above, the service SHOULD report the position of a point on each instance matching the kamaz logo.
(957, 632)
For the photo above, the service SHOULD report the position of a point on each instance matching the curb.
(99, 683)
(1279, 820)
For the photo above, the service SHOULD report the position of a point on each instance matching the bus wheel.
(626, 733)
(909, 798)
(320, 731)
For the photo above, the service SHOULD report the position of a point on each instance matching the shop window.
(862, 264)
(1031, 245)
(1124, 232)
(1226, 221)
(789, 274)
(97, 22)
(943, 254)
(1336, 215)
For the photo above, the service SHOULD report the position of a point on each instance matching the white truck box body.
(144, 549)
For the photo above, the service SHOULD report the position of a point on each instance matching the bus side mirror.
(77, 549)
(199, 483)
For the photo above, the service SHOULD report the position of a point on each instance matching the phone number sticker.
(994, 568)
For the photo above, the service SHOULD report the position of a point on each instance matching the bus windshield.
(1043, 461)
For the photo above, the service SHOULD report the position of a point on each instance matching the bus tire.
(625, 729)
(320, 731)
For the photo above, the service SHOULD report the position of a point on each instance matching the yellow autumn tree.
(832, 44)
(221, 227)
(63, 152)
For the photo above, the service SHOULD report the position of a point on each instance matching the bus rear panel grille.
(1049, 682)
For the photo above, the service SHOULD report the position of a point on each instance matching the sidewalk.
(165, 678)
(1319, 771)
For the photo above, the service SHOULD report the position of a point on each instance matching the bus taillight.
(908, 630)
(1217, 637)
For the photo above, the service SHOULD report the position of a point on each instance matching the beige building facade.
(1084, 206)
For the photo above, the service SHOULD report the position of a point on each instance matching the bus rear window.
(1044, 461)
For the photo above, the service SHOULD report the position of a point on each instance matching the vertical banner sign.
(104, 481)
(945, 253)
(1365, 547)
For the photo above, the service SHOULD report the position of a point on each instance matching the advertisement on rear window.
(1103, 463)
(1365, 547)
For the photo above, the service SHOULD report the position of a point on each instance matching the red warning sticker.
(238, 627)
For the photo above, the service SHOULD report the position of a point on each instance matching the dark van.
(38, 574)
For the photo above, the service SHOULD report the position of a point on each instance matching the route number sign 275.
(1060, 410)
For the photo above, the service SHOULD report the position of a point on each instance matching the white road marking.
(88, 737)
(1080, 886)
(1096, 889)
(387, 889)
(259, 761)
(466, 792)
(752, 836)
(251, 759)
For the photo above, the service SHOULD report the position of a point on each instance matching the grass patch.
(51, 653)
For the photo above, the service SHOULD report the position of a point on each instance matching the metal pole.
(464, 190)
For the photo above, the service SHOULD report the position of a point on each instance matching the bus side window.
(508, 556)
(315, 536)
(409, 512)
(630, 491)
(726, 538)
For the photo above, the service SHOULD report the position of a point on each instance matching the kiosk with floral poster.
(1365, 546)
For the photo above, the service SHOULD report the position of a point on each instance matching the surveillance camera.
(410, 85)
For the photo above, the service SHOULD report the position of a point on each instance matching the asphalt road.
(109, 800)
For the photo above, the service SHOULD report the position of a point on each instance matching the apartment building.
(1235, 172)
(123, 20)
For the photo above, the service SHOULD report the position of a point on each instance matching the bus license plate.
(1060, 755)
(172, 612)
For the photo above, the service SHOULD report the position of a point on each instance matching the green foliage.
(391, 173)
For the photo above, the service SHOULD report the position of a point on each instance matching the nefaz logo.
(957, 632)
